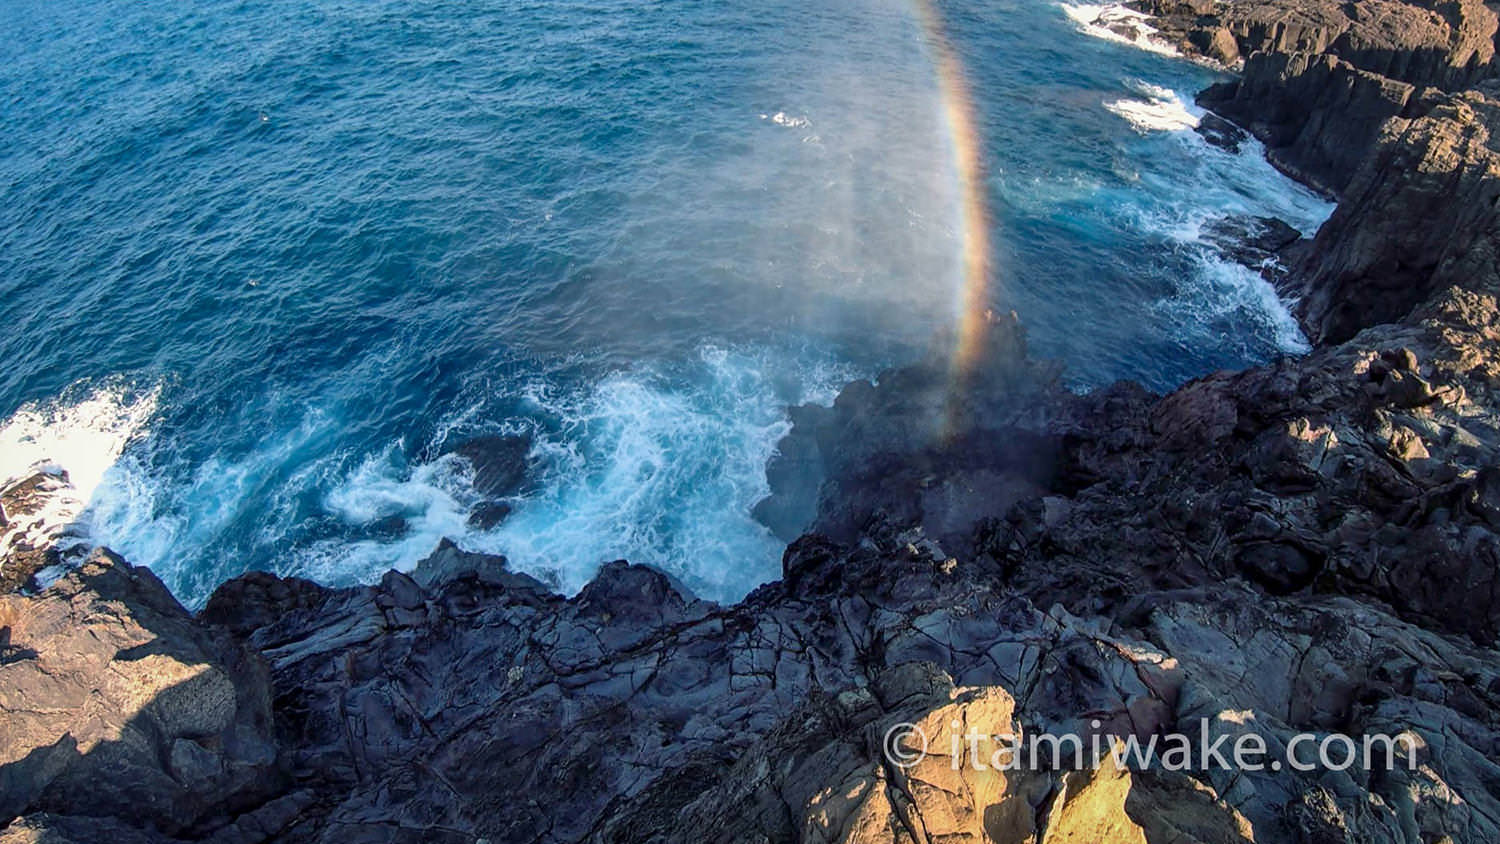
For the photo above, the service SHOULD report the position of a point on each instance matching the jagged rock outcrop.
(1319, 78)
(1448, 44)
(115, 702)
(1390, 105)
(482, 707)
(1317, 114)
(1363, 468)
(1260, 243)
(1419, 217)
(500, 466)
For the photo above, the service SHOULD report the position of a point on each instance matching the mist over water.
(332, 241)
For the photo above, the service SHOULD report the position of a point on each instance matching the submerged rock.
(1260, 243)
(502, 469)
(500, 463)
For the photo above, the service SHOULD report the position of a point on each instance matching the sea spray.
(640, 470)
(440, 216)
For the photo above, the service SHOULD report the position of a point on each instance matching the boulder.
(500, 463)
(115, 703)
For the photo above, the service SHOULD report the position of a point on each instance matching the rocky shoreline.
(1309, 546)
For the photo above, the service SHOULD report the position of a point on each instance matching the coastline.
(1307, 545)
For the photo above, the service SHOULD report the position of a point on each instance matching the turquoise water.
(262, 264)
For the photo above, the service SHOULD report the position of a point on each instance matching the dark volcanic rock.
(1318, 115)
(1419, 217)
(487, 514)
(502, 469)
(1366, 100)
(116, 703)
(1220, 132)
(474, 709)
(1255, 242)
(1321, 77)
(500, 463)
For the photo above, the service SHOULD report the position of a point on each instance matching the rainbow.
(974, 314)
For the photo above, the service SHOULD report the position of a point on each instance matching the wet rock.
(1250, 240)
(1254, 242)
(449, 564)
(487, 515)
(28, 537)
(500, 463)
(1221, 133)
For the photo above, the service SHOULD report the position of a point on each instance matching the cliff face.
(1419, 216)
(1389, 105)
(1320, 78)
(1308, 546)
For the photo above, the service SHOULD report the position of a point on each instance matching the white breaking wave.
(781, 118)
(75, 446)
(1161, 110)
(652, 465)
(431, 501)
(1213, 184)
(1115, 22)
(659, 475)
(638, 466)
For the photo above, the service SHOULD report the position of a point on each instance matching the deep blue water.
(283, 254)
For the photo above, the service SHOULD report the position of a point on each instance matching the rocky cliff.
(1307, 547)
(1390, 106)
(1312, 546)
(1320, 78)
(1418, 217)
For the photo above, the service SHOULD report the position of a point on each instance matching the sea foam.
(1116, 22)
(654, 467)
(75, 445)
(1159, 110)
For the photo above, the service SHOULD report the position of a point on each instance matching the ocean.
(263, 265)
